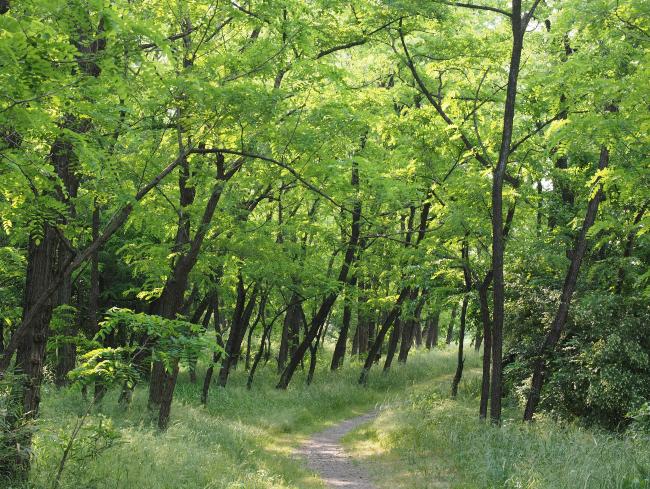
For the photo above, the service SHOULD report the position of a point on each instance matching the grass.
(242, 439)
(431, 441)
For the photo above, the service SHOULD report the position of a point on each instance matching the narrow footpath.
(325, 456)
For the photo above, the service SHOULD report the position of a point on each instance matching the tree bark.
(540, 368)
(30, 355)
(341, 343)
(381, 334)
(240, 320)
(393, 341)
(463, 315)
(487, 344)
(450, 327)
(518, 30)
(432, 331)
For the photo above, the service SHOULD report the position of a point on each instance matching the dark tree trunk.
(408, 329)
(93, 297)
(219, 340)
(518, 30)
(290, 330)
(266, 333)
(171, 301)
(432, 331)
(363, 321)
(374, 350)
(240, 321)
(341, 343)
(461, 340)
(30, 355)
(64, 161)
(478, 341)
(463, 316)
(570, 281)
(406, 340)
(450, 327)
(417, 333)
(487, 344)
(393, 341)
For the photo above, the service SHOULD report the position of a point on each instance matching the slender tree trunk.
(93, 298)
(478, 341)
(417, 333)
(461, 340)
(518, 31)
(393, 341)
(341, 343)
(363, 321)
(219, 340)
(463, 316)
(241, 318)
(290, 330)
(450, 327)
(570, 281)
(266, 333)
(487, 345)
(432, 331)
(381, 334)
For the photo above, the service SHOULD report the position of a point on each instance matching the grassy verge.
(431, 441)
(242, 439)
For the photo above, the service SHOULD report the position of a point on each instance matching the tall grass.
(241, 439)
(433, 442)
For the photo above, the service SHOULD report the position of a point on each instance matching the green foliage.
(170, 339)
(105, 366)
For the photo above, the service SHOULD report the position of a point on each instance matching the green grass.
(432, 441)
(242, 439)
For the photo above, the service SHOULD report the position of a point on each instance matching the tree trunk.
(570, 281)
(381, 334)
(417, 333)
(363, 321)
(393, 341)
(30, 355)
(461, 341)
(341, 343)
(450, 327)
(219, 339)
(240, 320)
(290, 330)
(432, 331)
(463, 316)
(487, 344)
(518, 30)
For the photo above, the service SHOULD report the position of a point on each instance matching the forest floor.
(247, 439)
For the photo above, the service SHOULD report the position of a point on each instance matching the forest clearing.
(324, 243)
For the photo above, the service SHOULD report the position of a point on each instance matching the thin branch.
(537, 130)
(477, 7)
(291, 170)
(357, 42)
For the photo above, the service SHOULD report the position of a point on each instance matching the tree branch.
(476, 7)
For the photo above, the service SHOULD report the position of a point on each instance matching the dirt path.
(325, 456)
